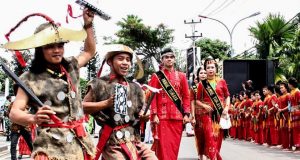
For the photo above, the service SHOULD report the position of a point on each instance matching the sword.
(17, 80)
(91, 7)
(29, 93)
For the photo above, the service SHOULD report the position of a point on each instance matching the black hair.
(271, 88)
(277, 89)
(8, 97)
(39, 63)
(293, 81)
(257, 91)
(248, 93)
(286, 86)
(198, 71)
(166, 50)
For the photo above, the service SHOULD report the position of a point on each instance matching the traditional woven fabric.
(59, 143)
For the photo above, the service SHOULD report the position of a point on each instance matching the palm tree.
(272, 33)
(278, 39)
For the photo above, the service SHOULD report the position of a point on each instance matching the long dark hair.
(39, 63)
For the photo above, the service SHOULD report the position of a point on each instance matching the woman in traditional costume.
(213, 96)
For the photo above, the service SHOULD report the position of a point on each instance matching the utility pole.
(194, 37)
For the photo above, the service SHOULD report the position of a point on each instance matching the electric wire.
(212, 2)
(227, 5)
(222, 4)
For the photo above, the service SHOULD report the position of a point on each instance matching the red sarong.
(169, 134)
(208, 143)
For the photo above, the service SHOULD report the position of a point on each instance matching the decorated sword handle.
(94, 9)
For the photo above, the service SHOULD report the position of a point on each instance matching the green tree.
(3, 76)
(146, 41)
(278, 39)
(83, 87)
(143, 39)
(272, 33)
(215, 48)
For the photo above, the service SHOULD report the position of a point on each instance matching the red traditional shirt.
(284, 100)
(295, 97)
(162, 105)
(257, 106)
(221, 91)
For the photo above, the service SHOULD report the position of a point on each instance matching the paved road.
(238, 150)
(231, 150)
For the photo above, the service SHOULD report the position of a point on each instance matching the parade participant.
(213, 95)
(241, 116)
(258, 119)
(247, 109)
(116, 105)
(271, 102)
(234, 116)
(7, 121)
(19, 131)
(55, 81)
(284, 101)
(295, 112)
(197, 113)
(253, 121)
(170, 108)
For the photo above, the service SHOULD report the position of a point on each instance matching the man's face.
(120, 64)
(253, 97)
(53, 53)
(168, 60)
(265, 91)
(257, 95)
(282, 89)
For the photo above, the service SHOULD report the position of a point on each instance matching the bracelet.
(86, 26)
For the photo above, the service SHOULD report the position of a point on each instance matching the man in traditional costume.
(272, 127)
(117, 106)
(258, 118)
(170, 108)
(55, 81)
(295, 112)
(284, 102)
(247, 110)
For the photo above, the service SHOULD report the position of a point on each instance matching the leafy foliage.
(143, 39)
(279, 39)
(215, 48)
(83, 87)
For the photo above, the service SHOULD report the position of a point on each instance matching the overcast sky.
(153, 12)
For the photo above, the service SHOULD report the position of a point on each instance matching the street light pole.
(194, 37)
(231, 32)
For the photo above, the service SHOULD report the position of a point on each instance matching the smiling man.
(116, 105)
(170, 108)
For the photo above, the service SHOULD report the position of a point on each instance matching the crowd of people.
(270, 119)
(119, 106)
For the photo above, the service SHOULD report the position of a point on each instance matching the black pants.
(14, 141)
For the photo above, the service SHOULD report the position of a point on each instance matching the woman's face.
(202, 74)
(53, 53)
(211, 69)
